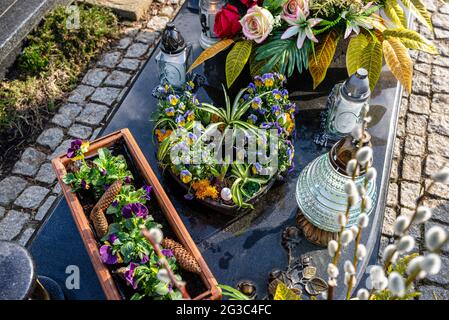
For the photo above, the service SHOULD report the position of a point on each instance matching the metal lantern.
(345, 104)
(208, 10)
(174, 58)
(320, 188)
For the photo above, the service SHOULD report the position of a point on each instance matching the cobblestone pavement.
(422, 146)
(28, 193)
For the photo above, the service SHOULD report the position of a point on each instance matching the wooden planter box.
(84, 226)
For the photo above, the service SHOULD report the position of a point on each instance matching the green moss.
(51, 62)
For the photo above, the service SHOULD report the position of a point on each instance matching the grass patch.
(50, 64)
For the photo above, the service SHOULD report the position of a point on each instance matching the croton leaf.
(320, 59)
(371, 60)
(411, 39)
(237, 59)
(419, 11)
(399, 61)
(395, 13)
(285, 293)
(354, 53)
(211, 52)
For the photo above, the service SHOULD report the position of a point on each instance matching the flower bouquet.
(289, 35)
(110, 184)
(220, 155)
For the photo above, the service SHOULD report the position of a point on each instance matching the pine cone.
(107, 198)
(100, 223)
(183, 257)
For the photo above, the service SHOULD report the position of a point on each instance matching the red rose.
(227, 22)
(251, 3)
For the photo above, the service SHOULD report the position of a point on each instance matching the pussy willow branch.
(180, 286)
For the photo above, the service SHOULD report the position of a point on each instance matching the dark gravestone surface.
(17, 274)
(247, 247)
(17, 19)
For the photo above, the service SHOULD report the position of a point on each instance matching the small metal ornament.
(315, 286)
(174, 58)
(248, 288)
(308, 272)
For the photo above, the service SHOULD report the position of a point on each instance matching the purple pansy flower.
(127, 179)
(112, 238)
(148, 190)
(138, 209)
(167, 252)
(266, 125)
(189, 196)
(115, 203)
(106, 187)
(129, 275)
(84, 184)
(106, 255)
(104, 172)
(74, 147)
(144, 259)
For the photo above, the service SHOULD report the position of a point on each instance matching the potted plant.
(220, 173)
(113, 193)
(289, 35)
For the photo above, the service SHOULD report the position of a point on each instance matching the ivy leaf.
(399, 61)
(354, 53)
(320, 60)
(395, 13)
(411, 39)
(419, 11)
(211, 52)
(284, 293)
(371, 60)
(237, 59)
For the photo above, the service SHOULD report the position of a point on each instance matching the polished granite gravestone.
(17, 19)
(247, 247)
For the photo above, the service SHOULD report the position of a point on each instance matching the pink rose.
(257, 24)
(290, 10)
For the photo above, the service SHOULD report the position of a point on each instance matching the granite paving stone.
(80, 94)
(29, 163)
(110, 59)
(129, 64)
(137, 50)
(146, 36)
(80, 131)
(43, 210)
(10, 188)
(61, 149)
(105, 95)
(117, 79)
(31, 197)
(124, 43)
(46, 174)
(2, 212)
(95, 77)
(26, 235)
(12, 224)
(92, 114)
(51, 137)
(431, 292)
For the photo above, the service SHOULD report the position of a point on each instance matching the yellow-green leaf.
(371, 60)
(211, 52)
(320, 60)
(419, 11)
(284, 293)
(398, 60)
(256, 66)
(411, 39)
(395, 13)
(354, 53)
(236, 60)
